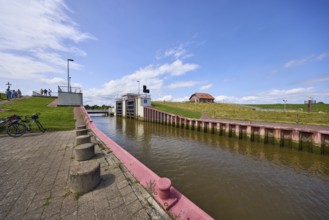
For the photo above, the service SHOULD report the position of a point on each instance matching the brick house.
(202, 97)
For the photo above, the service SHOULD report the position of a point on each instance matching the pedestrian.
(45, 91)
(14, 94)
(41, 91)
(49, 92)
(19, 93)
(8, 94)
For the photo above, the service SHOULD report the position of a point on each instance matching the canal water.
(226, 177)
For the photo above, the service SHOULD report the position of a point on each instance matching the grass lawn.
(178, 110)
(293, 107)
(52, 118)
(2, 96)
(241, 112)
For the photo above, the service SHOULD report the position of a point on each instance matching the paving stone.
(86, 207)
(125, 191)
(87, 216)
(54, 207)
(129, 198)
(35, 214)
(104, 214)
(15, 215)
(121, 212)
(141, 215)
(3, 215)
(123, 184)
(101, 204)
(134, 206)
(72, 216)
(85, 198)
(116, 202)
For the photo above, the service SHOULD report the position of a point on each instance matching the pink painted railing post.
(164, 185)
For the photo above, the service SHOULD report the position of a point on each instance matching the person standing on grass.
(45, 91)
(14, 94)
(49, 92)
(8, 94)
(19, 93)
(41, 91)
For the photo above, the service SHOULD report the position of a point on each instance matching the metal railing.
(69, 89)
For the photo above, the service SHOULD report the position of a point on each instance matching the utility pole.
(68, 74)
(138, 87)
(285, 101)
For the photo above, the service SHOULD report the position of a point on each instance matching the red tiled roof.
(202, 96)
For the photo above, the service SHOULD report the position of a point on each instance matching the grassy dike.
(320, 116)
(52, 118)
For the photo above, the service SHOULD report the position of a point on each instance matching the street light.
(68, 74)
(138, 87)
(285, 101)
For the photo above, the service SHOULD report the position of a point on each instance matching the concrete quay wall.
(313, 139)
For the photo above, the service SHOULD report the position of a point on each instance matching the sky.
(256, 51)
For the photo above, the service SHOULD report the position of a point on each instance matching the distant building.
(202, 97)
(132, 105)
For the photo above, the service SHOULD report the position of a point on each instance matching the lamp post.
(68, 74)
(138, 87)
(285, 101)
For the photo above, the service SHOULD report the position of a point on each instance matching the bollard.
(84, 177)
(81, 127)
(83, 139)
(164, 185)
(84, 151)
(81, 132)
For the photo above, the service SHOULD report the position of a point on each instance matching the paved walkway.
(34, 171)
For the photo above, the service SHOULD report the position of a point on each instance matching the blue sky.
(257, 51)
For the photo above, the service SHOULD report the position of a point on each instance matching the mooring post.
(164, 185)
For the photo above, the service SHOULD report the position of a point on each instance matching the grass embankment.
(179, 109)
(52, 118)
(293, 107)
(240, 112)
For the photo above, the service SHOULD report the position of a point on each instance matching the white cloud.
(299, 62)
(54, 81)
(33, 34)
(249, 98)
(322, 56)
(34, 24)
(178, 52)
(170, 98)
(317, 80)
(294, 91)
(23, 67)
(224, 98)
(181, 99)
(152, 76)
(206, 87)
(182, 84)
(177, 68)
(167, 98)
(294, 95)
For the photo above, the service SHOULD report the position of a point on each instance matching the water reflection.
(227, 177)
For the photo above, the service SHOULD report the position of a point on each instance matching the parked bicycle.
(35, 120)
(19, 126)
(14, 127)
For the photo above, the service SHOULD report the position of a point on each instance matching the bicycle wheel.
(41, 128)
(16, 129)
